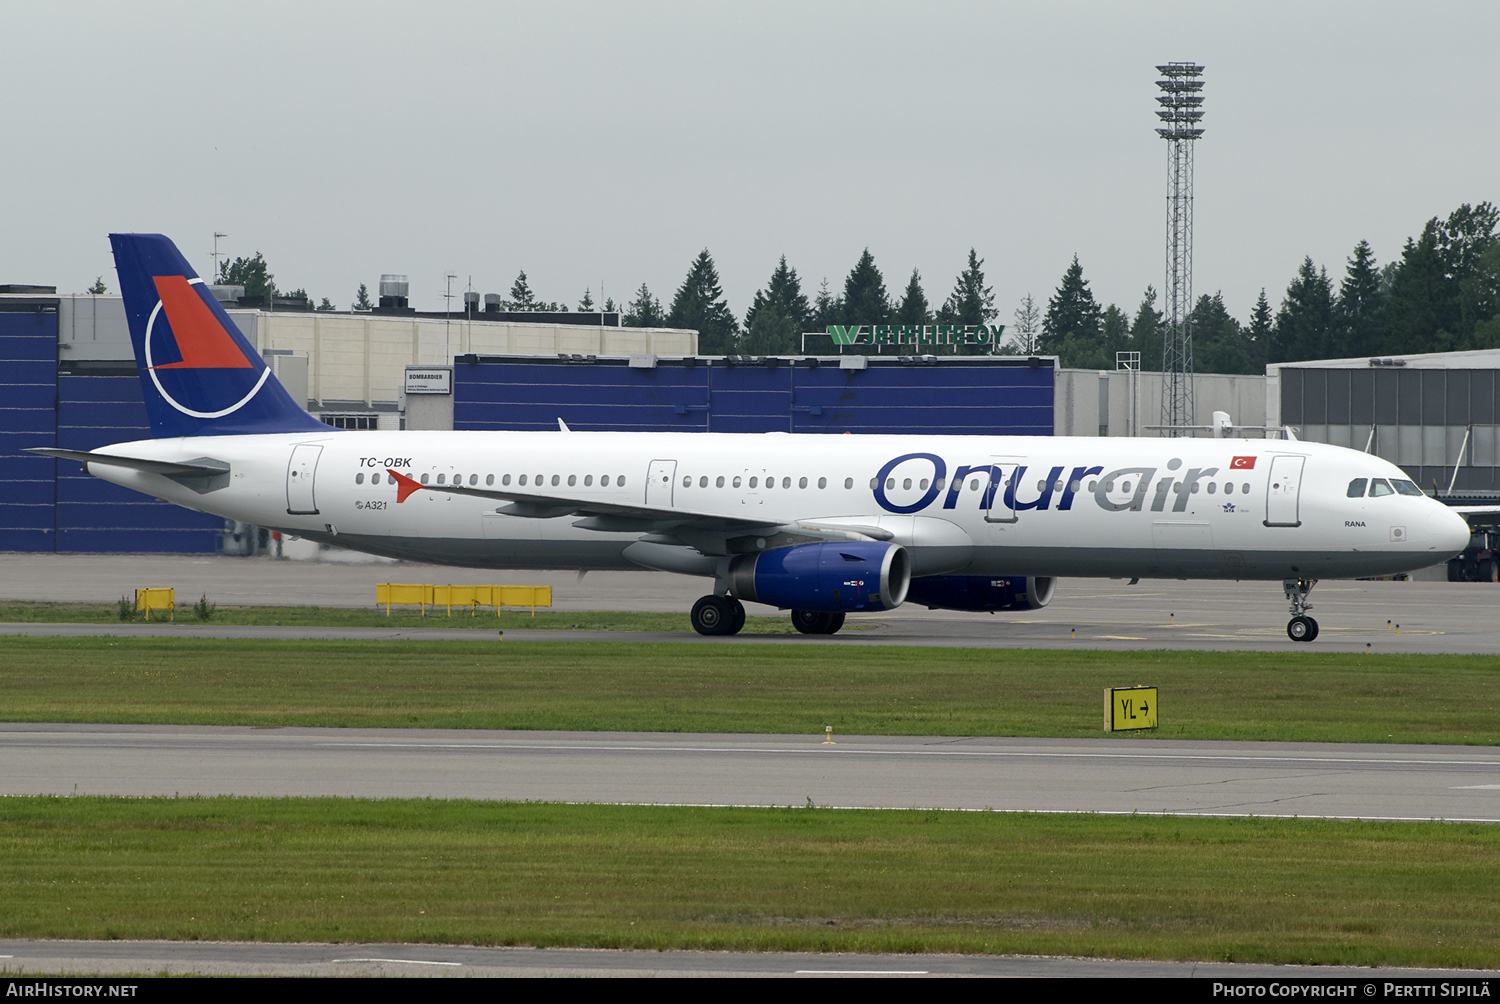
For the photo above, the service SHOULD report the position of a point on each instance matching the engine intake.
(847, 575)
(982, 592)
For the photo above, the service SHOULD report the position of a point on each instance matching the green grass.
(1282, 891)
(400, 617)
(884, 690)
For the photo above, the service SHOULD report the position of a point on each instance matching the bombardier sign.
(915, 334)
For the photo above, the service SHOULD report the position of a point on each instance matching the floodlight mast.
(1180, 113)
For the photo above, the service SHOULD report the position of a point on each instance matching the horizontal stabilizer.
(201, 474)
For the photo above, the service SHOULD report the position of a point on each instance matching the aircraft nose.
(1449, 531)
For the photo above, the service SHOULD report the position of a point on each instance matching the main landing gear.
(817, 622)
(1301, 627)
(725, 615)
(718, 615)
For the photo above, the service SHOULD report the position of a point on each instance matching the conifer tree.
(1258, 334)
(1359, 308)
(586, 305)
(971, 302)
(521, 296)
(1071, 325)
(912, 307)
(784, 294)
(1304, 324)
(700, 304)
(865, 299)
(362, 299)
(1146, 331)
(644, 311)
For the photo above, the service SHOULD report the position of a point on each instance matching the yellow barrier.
(147, 600)
(403, 595)
(472, 597)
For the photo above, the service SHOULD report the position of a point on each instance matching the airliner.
(820, 525)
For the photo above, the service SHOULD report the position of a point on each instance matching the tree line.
(1442, 294)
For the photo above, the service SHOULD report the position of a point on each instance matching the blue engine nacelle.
(848, 575)
(981, 592)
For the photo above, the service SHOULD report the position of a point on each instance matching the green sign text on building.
(915, 334)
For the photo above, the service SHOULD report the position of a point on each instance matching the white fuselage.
(1184, 508)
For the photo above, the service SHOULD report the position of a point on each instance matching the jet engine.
(828, 577)
(982, 592)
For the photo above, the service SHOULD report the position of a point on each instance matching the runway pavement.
(1086, 613)
(1324, 780)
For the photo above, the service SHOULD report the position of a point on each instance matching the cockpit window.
(1378, 487)
(1405, 487)
(1356, 488)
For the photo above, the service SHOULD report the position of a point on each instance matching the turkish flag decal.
(1242, 464)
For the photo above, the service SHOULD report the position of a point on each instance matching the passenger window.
(523, 481)
(1093, 486)
(1194, 488)
(1378, 487)
(505, 479)
(554, 480)
(1041, 486)
(874, 483)
(1356, 489)
(938, 484)
(424, 479)
(786, 482)
(736, 481)
(375, 479)
(822, 482)
(604, 481)
(489, 479)
(754, 482)
(890, 484)
(1212, 487)
(620, 481)
(1229, 488)
(801, 482)
(770, 482)
(719, 481)
(703, 481)
(1125, 487)
(906, 484)
(687, 482)
(473, 479)
(1073, 486)
(359, 479)
(974, 485)
(848, 483)
(1245, 488)
(588, 481)
(440, 478)
(572, 480)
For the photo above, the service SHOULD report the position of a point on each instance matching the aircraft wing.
(618, 517)
(1476, 510)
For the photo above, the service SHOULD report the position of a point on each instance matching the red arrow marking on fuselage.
(201, 339)
(404, 485)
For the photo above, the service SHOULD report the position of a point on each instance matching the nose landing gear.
(1301, 627)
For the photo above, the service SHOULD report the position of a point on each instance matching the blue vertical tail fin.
(199, 375)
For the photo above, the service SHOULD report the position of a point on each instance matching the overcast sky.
(607, 143)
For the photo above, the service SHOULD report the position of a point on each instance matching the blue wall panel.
(951, 399)
(95, 515)
(28, 418)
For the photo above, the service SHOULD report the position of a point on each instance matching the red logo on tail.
(201, 339)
